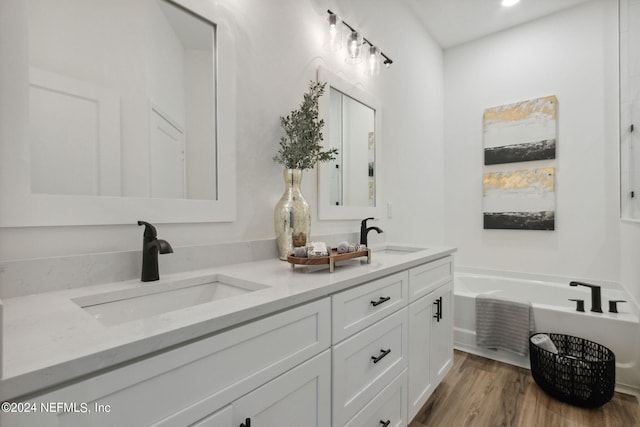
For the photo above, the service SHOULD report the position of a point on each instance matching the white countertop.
(48, 339)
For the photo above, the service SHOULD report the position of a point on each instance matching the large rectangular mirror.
(86, 75)
(347, 186)
(130, 113)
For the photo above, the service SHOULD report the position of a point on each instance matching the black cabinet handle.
(383, 353)
(380, 301)
(438, 314)
(385, 423)
(246, 423)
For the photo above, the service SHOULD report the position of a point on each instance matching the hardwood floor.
(479, 392)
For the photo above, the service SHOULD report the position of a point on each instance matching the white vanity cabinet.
(365, 363)
(388, 408)
(272, 357)
(222, 418)
(300, 397)
(441, 356)
(369, 348)
(361, 306)
(430, 329)
(404, 323)
(369, 355)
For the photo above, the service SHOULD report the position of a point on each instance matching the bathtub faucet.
(596, 304)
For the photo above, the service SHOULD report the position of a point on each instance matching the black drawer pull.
(385, 423)
(383, 353)
(380, 301)
(438, 314)
(246, 423)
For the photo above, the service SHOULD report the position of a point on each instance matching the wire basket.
(583, 373)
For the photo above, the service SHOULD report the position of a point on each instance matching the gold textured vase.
(292, 216)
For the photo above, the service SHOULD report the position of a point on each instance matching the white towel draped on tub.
(504, 324)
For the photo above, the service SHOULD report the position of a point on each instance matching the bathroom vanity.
(365, 345)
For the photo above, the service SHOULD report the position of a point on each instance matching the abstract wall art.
(520, 132)
(521, 199)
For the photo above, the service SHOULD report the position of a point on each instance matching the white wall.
(573, 55)
(278, 45)
(413, 138)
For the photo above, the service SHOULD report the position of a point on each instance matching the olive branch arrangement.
(301, 146)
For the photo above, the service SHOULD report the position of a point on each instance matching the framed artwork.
(520, 132)
(519, 200)
(523, 197)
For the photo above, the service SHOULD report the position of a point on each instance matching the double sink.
(121, 306)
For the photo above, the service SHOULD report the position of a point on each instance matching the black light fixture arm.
(387, 61)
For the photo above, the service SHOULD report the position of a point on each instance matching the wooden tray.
(331, 259)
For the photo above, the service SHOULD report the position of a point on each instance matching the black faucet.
(364, 231)
(596, 304)
(151, 246)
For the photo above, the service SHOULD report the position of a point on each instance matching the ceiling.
(453, 22)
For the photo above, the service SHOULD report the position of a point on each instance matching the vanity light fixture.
(373, 61)
(355, 42)
(509, 3)
(354, 48)
(333, 39)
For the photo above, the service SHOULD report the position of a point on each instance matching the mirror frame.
(20, 208)
(325, 209)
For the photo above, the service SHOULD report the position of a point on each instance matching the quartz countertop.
(48, 339)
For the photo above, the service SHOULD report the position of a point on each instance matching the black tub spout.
(596, 298)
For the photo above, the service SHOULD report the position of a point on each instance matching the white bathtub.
(553, 312)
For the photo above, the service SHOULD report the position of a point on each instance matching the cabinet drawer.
(184, 385)
(297, 398)
(366, 362)
(427, 277)
(389, 406)
(359, 307)
(222, 418)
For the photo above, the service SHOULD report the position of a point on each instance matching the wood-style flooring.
(480, 392)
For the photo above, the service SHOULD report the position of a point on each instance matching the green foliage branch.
(301, 146)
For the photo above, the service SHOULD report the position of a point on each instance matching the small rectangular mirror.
(347, 187)
(352, 132)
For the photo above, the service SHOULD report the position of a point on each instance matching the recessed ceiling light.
(508, 3)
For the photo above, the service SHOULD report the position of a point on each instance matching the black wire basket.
(583, 373)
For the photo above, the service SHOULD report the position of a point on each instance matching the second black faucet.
(151, 247)
(364, 231)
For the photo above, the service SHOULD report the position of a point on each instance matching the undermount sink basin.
(113, 308)
(390, 249)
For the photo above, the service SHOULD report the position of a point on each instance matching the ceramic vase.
(292, 216)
